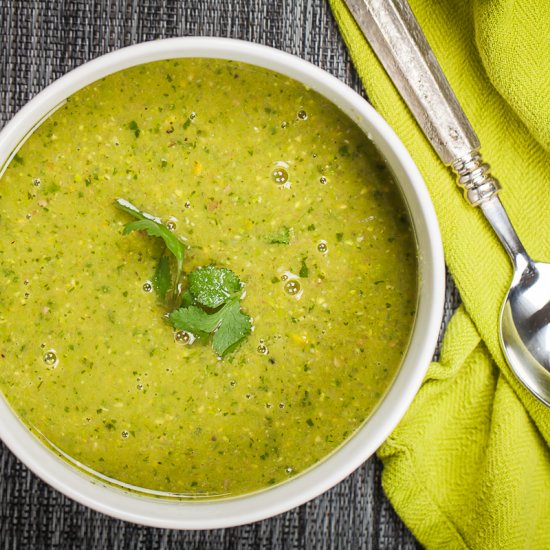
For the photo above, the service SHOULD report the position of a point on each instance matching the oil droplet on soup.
(209, 146)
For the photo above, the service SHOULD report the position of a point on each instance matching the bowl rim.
(381, 422)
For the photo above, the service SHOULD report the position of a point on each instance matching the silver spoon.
(395, 36)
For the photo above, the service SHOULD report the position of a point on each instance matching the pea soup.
(253, 174)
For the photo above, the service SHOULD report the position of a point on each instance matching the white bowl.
(245, 509)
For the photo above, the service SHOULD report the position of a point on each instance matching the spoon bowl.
(525, 327)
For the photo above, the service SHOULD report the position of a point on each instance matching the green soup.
(256, 173)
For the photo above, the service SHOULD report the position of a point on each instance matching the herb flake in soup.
(253, 173)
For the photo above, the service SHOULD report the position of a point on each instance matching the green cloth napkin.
(469, 465)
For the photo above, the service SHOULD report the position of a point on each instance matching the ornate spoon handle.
(399, 43)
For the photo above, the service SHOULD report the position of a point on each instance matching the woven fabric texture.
(40, 41)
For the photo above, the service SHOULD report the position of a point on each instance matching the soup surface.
(256, 173)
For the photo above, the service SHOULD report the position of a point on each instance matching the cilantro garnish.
(234, 327)
(229, 325)
(155, 228)
(195, 320)
(163, 279)
(210, 288)
(211, 303)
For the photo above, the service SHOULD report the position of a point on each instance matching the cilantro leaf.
(154, 228)
(129, 208)
(162, 279)
(186, 299)
(281, 236)
(235, 325)
(196, 320)
(229, 324)
(212, 286)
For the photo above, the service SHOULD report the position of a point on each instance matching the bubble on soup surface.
(148, 286)
(184, 337)
(125, 434)
(322, 247)
(50, 358)
(171, 224)
(323, 180)
(302, 115)
(280, 175)
(292, 287)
